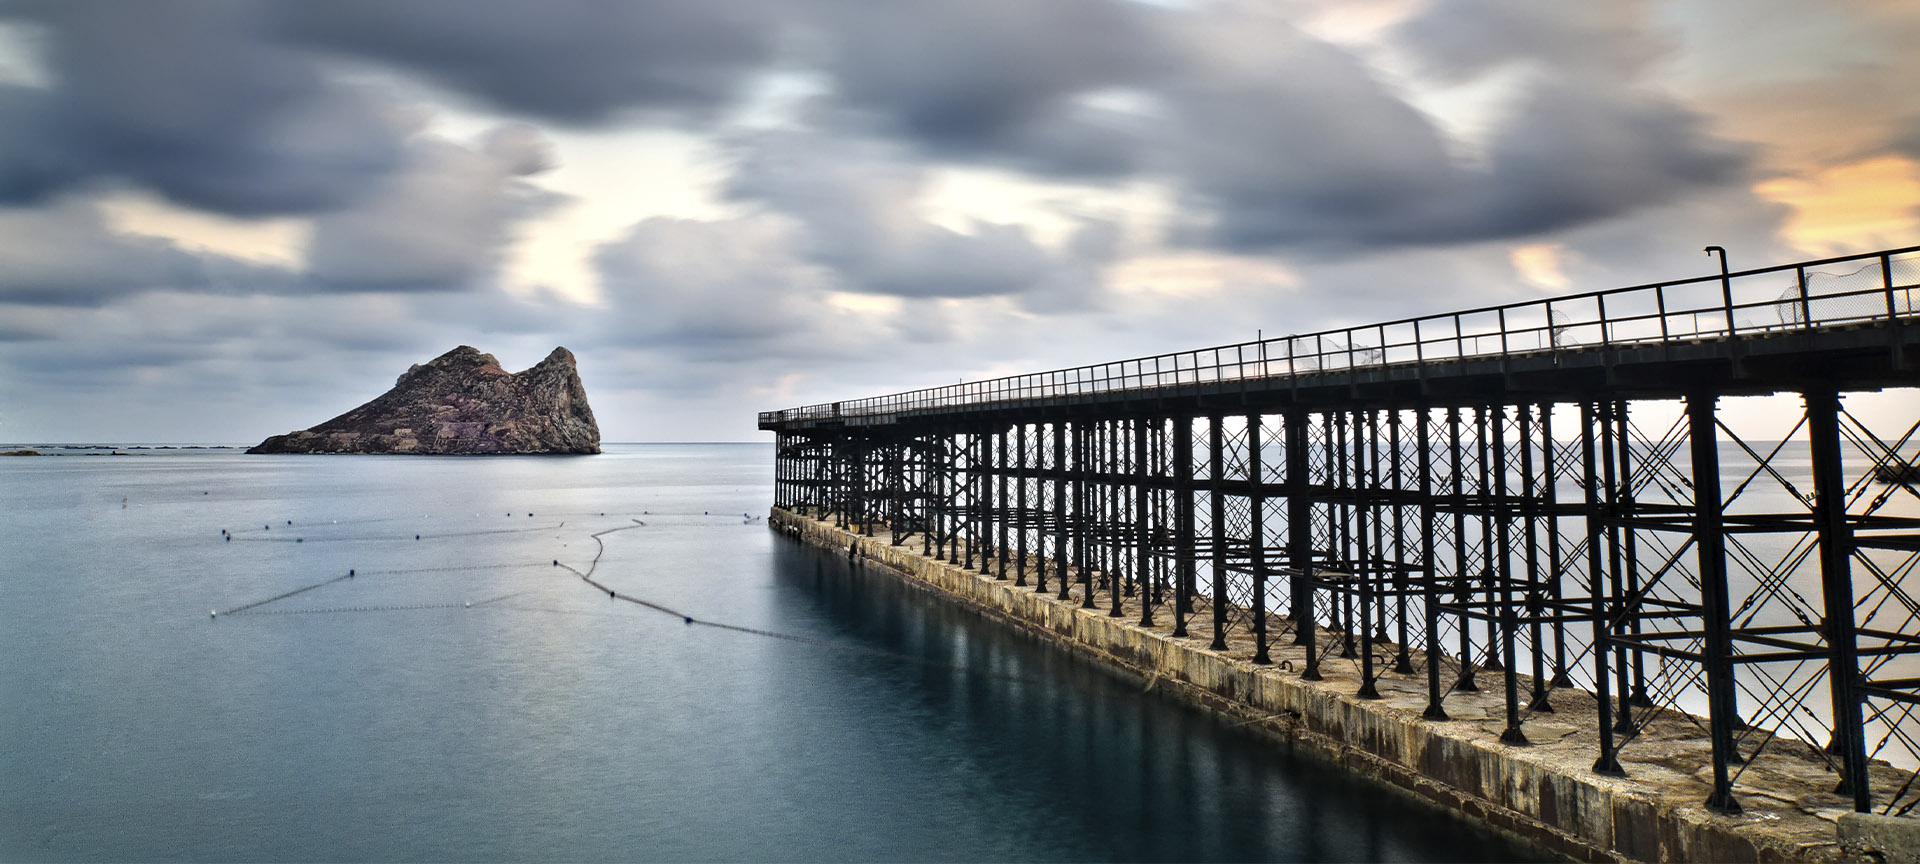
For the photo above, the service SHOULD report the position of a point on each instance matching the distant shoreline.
(70, 448)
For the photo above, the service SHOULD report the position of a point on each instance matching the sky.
(226, 219)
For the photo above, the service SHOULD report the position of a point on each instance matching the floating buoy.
(556, 562)
(609, 593)
(688, 618)
(349, 573)
(289, 521)
(469, 604)
(416, 536)
(299, 539)
(212, 613)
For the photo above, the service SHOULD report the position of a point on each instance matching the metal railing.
(1811, 294)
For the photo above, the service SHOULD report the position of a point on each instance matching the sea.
(212, 656)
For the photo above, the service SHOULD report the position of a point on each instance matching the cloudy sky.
(224, 220)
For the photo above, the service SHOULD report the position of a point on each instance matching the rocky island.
(462, 403)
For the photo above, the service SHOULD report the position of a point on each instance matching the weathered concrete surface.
(1545, 792)
(1892, 839)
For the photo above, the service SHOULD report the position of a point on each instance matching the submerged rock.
(462, 403)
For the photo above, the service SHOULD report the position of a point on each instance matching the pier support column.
(1257, 529)
(1143, 517)
(1340, 540)
(1183, 575)
(1530, 501)
(1556, 563)
(1120, 570)
(1002, 512)
(1592, 416)
(1023, 476)
(1503, 570)
(1217, 464)
(1365, 489)
(1710, 542)
(1836, 584)
(1083, 477)
(1430, 587)
(1463, 582)
(1057, 514)
(1630, 550)
(1300, 540)
(1403, 658)
(1493, 521)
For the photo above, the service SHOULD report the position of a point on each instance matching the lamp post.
(1726, 286)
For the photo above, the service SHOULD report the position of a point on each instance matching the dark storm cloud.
(1572, 153)
(855, 207)
(187, 98)
(576, 61)
(65, 254)
(1288, 142)
(1272, 139)
(438, 222)
(1665, 243)
(732, 287)
(35, 162)
(1461, 39)
(1002, 81)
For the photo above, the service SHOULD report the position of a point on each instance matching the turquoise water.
(463, 698)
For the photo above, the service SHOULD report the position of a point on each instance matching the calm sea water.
(462, 698)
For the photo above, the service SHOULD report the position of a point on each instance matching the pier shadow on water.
(1066, 760)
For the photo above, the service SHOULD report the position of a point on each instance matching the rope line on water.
(234, 538)
(691, 621)
(257, 603)
(453, 569)
(383, 608)
(587, 576)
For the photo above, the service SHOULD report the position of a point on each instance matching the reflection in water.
(1061, 748)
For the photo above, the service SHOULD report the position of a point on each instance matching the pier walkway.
(1541, 501)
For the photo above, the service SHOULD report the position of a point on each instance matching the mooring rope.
(384, 608)
(691, 621)
(586, 576)
(231, 537)
(352, 573)
(257, 603)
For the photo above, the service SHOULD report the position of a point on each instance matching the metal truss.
(1531, 524)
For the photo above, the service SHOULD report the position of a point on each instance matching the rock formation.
(462, 403)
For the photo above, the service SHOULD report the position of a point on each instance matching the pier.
(1518, 559)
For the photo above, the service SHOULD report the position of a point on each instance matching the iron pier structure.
(1543, 495)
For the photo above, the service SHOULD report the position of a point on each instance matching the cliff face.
(462, 402)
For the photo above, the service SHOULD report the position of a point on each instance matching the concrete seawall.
(1545, 792)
